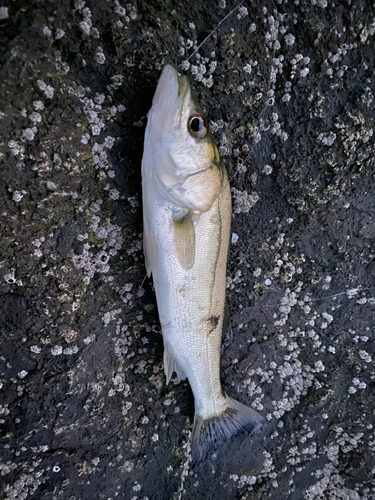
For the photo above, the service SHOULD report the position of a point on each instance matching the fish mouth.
(173, 90)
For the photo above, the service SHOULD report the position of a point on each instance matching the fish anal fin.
(170, 366)
(184, 239)
(149, 250)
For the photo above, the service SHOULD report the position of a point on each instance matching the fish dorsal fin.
(184, 240)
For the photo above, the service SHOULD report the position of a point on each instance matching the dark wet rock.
(84, 410)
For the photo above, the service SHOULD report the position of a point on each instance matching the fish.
(186, 231)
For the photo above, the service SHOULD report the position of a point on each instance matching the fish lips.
(172, 96)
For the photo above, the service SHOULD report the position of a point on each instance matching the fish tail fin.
(236, 418)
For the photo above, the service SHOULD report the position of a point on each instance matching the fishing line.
(213, 31)
(275, 304)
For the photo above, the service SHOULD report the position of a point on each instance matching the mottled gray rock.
(289, 89)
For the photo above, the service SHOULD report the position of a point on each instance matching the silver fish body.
(187, 216)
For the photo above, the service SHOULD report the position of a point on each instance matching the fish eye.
(198, 126)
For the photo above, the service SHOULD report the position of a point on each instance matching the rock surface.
(289, 89)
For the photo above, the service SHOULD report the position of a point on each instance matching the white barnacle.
(35, 117)
(99, 56)
(28, 134)
(56, 350)
(289, 39)
(365, 356)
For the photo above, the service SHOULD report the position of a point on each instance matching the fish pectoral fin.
(184, 240)
(149, 250)
(170, 366)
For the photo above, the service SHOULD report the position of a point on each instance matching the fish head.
(180, 156)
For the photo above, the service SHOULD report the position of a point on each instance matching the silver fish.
(187, 217)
